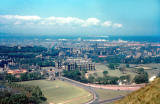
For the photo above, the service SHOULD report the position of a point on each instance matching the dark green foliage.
(142, 77)
(11, 78)
(105, 73)
(91, 79)
(127, 77)
(31, 76)
(75, 75)
(80, 76)
(109, 59)
(111, 66)
(127, 65)
(106, 80)
(122, 68)
(14, 99)
(140, 71)
(46, 63)
(24, 77)
(22, 94)
(6, 49)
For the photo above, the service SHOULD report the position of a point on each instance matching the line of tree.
(24, 77)
(103, 80)
(76, 75)
(21, 94)
(80, 76)
(123, 59)
(15, 49)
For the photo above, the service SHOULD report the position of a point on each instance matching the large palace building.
(79, 64)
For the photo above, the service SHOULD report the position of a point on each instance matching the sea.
(136, 38)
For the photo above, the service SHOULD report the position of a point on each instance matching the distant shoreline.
(140, 38)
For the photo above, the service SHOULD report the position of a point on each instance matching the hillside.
(147, 95)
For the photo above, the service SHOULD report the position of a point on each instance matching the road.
(95, 99)
(90, 89)
(110, 100)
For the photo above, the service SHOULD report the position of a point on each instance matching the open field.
(148, 66)
(109, 94)
(59, 92)
(151, 69)
(101, 67)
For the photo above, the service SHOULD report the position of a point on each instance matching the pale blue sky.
(86, 17)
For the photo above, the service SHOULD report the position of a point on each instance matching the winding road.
(95, 99)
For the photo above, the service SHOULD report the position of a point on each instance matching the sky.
(80, 17)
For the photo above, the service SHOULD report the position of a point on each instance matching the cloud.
(17, 23)
(72, 21)
(107, 24)
(63, 20)
(116, 25)
(18, 17)
(91, 21)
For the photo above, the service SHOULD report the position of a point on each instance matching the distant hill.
(150, 94)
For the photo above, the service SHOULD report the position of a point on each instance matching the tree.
(127, 78)
(105, 73)
(122, 69)
(91, 79)
(75, 75)
(95, 74)
(127, 65)
(141, 78)
(99, 80)
(111, 66)
(26, 95)
(140, 71)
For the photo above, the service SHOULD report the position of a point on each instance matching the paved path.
(95, 99)
(110, 100)
(90, 89)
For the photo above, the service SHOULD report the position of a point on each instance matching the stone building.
(79, 64)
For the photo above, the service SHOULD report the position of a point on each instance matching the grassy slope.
(61, 92)
(147, 95)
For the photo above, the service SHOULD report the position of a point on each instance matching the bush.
(105, 73)
(141, 78)
(111, 66)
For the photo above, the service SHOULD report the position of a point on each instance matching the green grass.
(101, 67)
(109, 94)
(59, 92)
(150, 94)
(152, 68)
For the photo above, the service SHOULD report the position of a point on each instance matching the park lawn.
(60, 92)
(152, 69)
(148, 66)
(101, 67)
(105, 94)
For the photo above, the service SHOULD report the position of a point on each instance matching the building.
(17, 71)
(79, 64)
